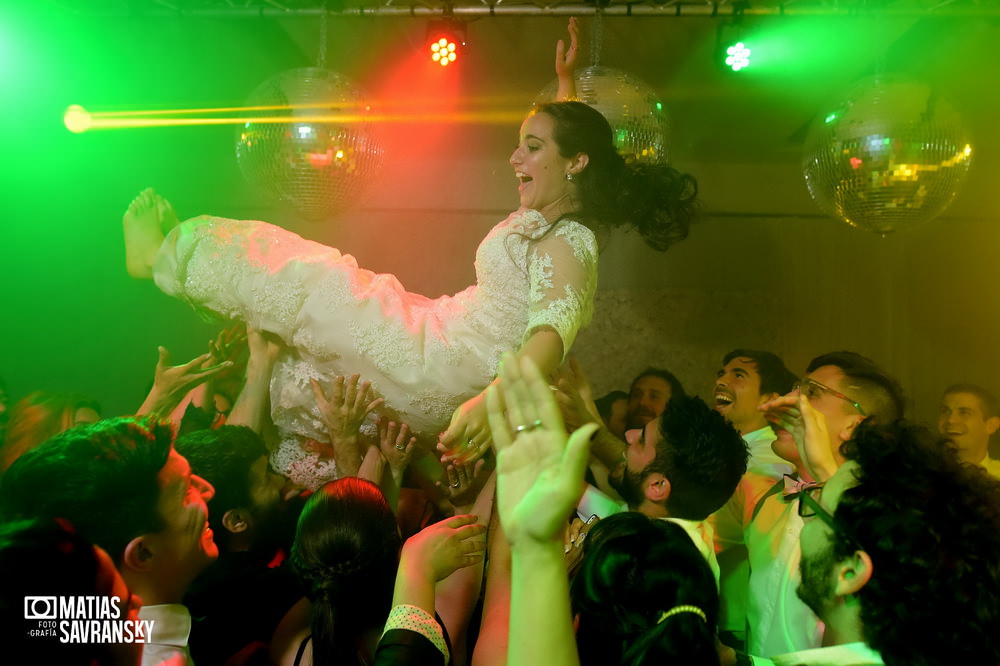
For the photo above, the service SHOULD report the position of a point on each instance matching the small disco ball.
(633, 110)
(890, 156)
(309, 141)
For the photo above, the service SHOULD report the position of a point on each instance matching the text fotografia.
(84, 620)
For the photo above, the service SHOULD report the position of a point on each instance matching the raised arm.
(343, 412)
(252, 406)
(539, 475)
(566, 63)
(172, 383)
(428, 557)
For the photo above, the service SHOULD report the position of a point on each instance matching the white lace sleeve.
(562, 267)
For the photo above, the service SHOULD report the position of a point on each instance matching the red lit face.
(185, 545)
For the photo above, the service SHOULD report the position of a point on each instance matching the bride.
(430, 359)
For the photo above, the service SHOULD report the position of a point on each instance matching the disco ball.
(633, 110)
(890, 156)
(308, 139)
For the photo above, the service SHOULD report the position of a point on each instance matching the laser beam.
(78, 119)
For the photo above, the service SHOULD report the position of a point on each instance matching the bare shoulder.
(293, 629)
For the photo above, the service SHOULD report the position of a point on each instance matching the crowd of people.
(787, 520)
(356, 474)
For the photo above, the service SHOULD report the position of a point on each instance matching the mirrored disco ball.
(891, 155)
(313, 146)
(636, 115)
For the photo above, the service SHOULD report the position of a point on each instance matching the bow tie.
(795, 487)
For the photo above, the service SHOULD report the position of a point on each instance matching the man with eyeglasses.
(845, 388)
(900, 553)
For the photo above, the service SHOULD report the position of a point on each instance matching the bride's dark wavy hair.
(654, 199)
(345, 554)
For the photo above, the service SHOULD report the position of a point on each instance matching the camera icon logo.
(40, 608)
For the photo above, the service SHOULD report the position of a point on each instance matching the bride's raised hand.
(566, 62)
(467, 438)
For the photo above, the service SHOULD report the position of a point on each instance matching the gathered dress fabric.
(424, 356)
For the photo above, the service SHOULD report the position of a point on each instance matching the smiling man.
(968, 418)
(649, 394)
(846, 389)
(122, 485)
(747, 379)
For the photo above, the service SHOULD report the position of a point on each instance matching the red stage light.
(445, 40)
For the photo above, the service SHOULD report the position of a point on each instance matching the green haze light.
(830, 118)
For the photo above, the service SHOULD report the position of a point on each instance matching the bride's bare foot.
(168, 218)
(143, 224)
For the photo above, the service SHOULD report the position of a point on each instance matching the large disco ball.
(309, 140)
(891, 155)
(633, 110)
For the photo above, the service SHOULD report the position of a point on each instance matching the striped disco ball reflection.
(309, 140)
(893, 154)
(636, 115)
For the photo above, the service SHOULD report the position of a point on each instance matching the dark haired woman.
(644, 595)
(364, 585)
(430, 359)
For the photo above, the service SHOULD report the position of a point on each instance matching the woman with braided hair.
(369, 595)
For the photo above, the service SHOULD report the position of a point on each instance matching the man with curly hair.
(901, 554)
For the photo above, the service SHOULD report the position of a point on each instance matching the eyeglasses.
(810, 507)
(812, 389)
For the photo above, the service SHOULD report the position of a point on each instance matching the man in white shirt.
(846, 388)
(969, 416)
(747, 379)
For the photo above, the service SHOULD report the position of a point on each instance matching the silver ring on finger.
(398, 447)
(456, 484)
(531, 426)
